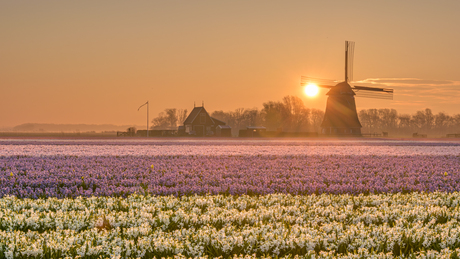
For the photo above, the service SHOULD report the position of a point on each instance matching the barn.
(199, 123)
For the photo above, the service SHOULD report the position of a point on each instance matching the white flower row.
(229, 147)
(325, 226)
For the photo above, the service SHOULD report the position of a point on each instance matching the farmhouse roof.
(197, 110)
(192, 116)
(217, 122)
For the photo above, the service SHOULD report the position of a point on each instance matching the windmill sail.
(360, 91)
(324, 83)
(373, 92)
(349, 53)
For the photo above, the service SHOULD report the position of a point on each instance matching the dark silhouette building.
(199, 123)
(341, 116)
(223, 131)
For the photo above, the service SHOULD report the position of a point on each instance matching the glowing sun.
(311, 90)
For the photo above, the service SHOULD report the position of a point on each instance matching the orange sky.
(96, 62)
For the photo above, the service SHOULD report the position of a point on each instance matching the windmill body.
(341, 117)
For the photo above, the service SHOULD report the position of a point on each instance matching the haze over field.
(88, 62)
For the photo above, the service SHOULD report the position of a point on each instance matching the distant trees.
(169, 118)
(289, 114)
(377, 120)
(424, 121)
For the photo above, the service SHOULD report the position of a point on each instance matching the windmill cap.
(341, 88)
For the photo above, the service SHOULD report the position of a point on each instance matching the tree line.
(422, 122)
(169, 119)
(288, 115)
(291, 115)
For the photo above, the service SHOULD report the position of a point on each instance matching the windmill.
(341, 117)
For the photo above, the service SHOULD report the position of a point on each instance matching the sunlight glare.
(311, 90)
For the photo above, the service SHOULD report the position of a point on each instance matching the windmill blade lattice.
(373, 92)
(324, 83)
(349, 54)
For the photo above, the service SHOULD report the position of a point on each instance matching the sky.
(96, 62)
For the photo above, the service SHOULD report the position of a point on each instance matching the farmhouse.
(199, 123)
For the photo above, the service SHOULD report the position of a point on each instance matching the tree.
(239, 118)
(169, 118)
(429, 119)
(251, 117)
(405, 124)
(161, 121)
(316, 118)
(363, 116)
(290, 114)
(419, 120)
(171, 115)
(388, 119)
(296, 116)
(442, 123)
(181, 116)
(272, 114)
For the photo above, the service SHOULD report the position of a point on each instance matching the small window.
(202, 118)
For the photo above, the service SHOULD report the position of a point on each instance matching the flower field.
(64, 176)
(276, 225)
(306, 199)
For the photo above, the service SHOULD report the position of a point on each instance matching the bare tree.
(316, 118)
(169, 119)
(181, 116)
(364, 118)
(171, 114)
(419, 120)
(252, 117)
(405, 124)
(429, 119)
(272, 114)
(442, 123)
(388, 119)
(161, 121)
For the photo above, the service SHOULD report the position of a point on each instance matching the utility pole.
(147, 116)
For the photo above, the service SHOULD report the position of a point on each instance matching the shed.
(223, 131)
(255, 131)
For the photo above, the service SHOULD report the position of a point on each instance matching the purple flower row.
(63, 176)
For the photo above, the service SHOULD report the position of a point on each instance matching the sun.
(311, 90)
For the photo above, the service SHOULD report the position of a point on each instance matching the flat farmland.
(133, 198)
